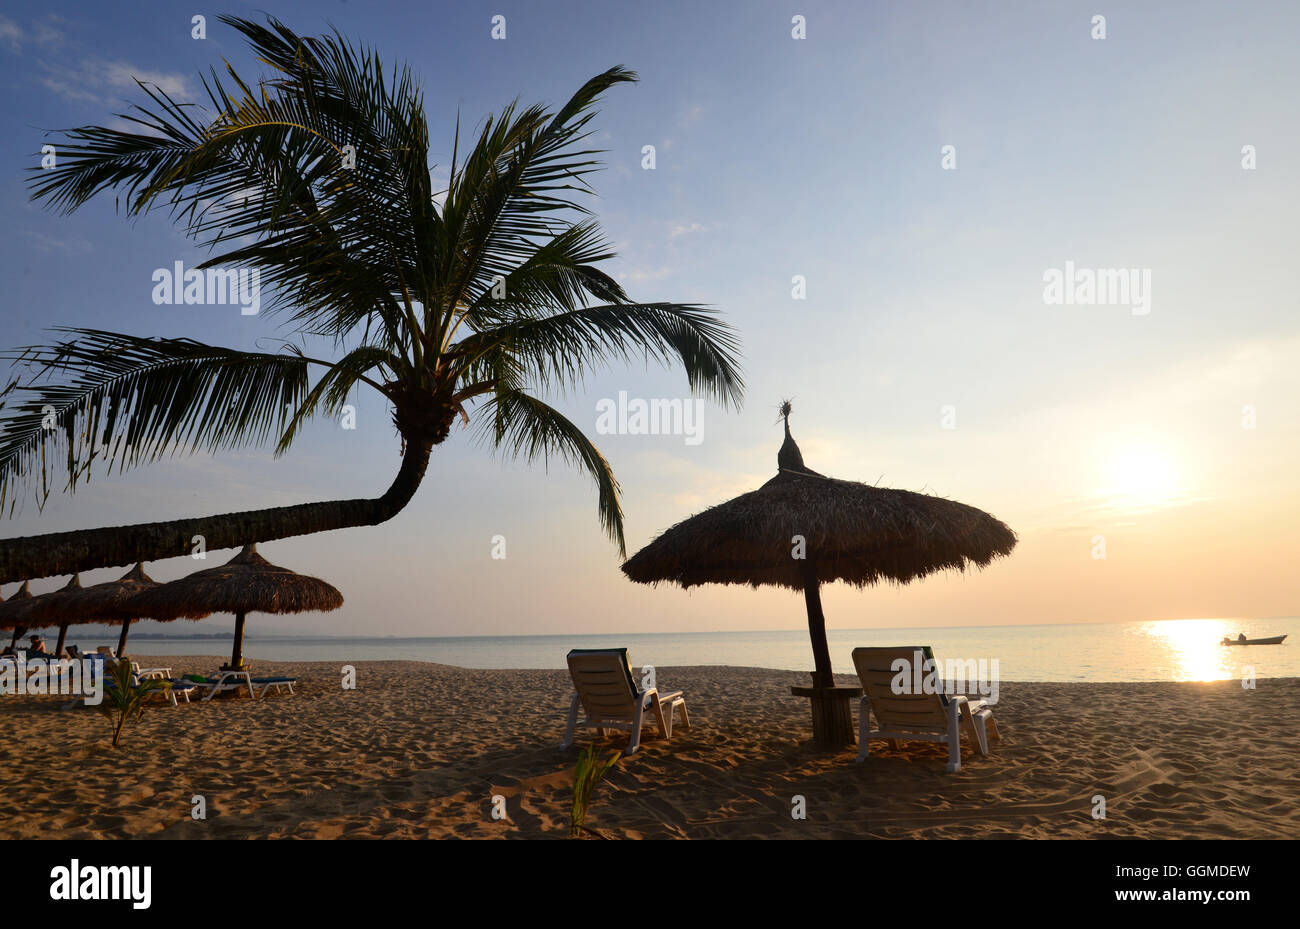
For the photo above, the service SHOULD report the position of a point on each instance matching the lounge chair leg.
(573, 721)
(686, 720)
(665, 724)
(974, 725)
(954, 736)
(982, 732)
(634, 743)
(864, 710)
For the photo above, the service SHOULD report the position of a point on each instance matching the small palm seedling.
(124, 696)
(586, 776)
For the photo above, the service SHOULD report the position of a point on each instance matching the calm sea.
(1175, 650)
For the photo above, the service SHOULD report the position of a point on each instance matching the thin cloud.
(638, 274)
(47, 32)
(11, 33)
(102, 81)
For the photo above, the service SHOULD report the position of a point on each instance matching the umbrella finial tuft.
(789, 458)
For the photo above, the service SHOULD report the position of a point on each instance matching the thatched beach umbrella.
(13, 612)
(248, 583)
(99, 603)
(39, 612)
(802, 529)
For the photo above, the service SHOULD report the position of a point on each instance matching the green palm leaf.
(129, 400)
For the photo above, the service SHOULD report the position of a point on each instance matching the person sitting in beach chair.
(37, 646)
(902, 714)
(605, 689)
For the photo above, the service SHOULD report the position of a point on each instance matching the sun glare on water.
(1192, 649)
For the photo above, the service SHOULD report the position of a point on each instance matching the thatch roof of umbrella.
(38, 612)
(46, 609)
(852, 532)
(14, 610)
(248, 583)
(99, 603)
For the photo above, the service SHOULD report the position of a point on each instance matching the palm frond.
(522, 426)
(513, 190)
(127, 400)
(331, 391)
(558, 349)
(334, 242)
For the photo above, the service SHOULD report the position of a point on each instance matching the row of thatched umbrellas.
(248, 583)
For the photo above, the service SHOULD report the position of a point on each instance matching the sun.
(1140, 474)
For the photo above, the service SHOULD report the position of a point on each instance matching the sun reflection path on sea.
(1192, 648)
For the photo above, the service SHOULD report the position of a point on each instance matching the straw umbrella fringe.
(248, 583)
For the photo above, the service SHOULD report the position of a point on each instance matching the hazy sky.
(1172, 433)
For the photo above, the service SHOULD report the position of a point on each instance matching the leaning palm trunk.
(81, 550)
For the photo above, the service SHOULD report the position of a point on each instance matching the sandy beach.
(418, 750)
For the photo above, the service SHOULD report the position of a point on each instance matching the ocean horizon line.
(263, 636)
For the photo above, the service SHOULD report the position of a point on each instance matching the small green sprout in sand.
(124, 696)
(586, 776)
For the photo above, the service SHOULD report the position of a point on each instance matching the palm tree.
(319, 179)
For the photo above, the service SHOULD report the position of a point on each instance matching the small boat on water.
(1271, 640)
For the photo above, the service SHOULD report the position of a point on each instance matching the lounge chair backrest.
(603, 679)
(879, 672)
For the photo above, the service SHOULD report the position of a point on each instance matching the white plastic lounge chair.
(927, 717)
(606, 691)
(180, 687)
(225, 681)
(266, 683)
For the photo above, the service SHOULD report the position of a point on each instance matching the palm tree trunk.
(68, 552)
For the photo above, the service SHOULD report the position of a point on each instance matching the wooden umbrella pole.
(18, 634)
(817, 626)
(237, 656)
(63, 637)
(121, 640)
(832, 716)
